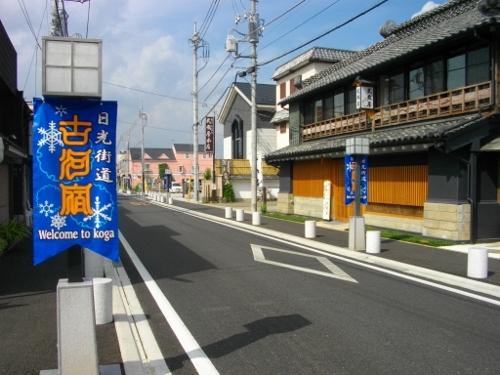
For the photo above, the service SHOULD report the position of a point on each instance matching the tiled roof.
(155, 153)
(427, 131)
(314, 54)
(280, 116)
(266, 94)
(435, 27)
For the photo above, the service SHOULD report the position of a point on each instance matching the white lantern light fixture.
(72, 67)
(357, 146)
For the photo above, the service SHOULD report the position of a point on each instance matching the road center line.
(196, 354)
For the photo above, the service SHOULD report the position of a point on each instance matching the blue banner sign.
(350, 171)
(74, 177)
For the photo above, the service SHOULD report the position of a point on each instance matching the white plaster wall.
(227, 148)
(282, 140)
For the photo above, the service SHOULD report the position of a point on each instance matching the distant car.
(176, 187)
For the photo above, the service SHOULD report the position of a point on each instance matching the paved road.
(273, 308)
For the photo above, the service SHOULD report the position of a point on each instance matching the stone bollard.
(255, 218)
(103, 300)
(477, 263)
(229, 213)
(240, 214)
(310, 229)
(373, 241)
(76, 332)
(94, 264)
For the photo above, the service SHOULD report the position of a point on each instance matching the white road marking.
(196, 354)
(335, 272)
(401, 270)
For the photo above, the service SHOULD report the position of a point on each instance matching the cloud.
(427, 7)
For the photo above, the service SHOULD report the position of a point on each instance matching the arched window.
(237, 137)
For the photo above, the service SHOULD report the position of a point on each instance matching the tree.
(161, 170)
(207, 175)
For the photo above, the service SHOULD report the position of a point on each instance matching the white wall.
(227, 148)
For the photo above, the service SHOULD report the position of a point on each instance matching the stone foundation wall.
(307, 206)
(447, 221)
(285, 204)
(394, 222)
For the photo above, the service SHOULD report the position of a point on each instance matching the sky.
(148, 58)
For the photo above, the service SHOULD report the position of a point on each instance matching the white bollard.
(170, 200)
(94, 264)
(255, 218)
(373, 241)
(229, 213)
(310, 229)
(103, 300)
(477, 262)
(162, 199)
(240, 214)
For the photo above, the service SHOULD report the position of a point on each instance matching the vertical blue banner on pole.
(364, 180)
(349, 169)
(74, 177)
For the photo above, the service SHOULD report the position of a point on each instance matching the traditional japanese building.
(15, 119)
(433, 131)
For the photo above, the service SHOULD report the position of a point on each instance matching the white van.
(176, 187)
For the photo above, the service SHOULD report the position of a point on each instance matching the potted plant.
(11, 233)
(263, 208)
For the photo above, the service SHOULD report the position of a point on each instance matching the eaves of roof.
(429, 131)
(312, 55)
(436, 27)
(265, 98)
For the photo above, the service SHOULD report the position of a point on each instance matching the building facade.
(179, 159)
(433, 130)
(235, 115)
(15, 120)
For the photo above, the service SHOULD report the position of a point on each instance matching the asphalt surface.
(28, 311)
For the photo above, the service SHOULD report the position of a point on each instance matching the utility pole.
(253, 33)
(195, 41)
(144, 117)
(59, 23)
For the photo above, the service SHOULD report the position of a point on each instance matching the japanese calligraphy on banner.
(350, 171)
(209, 134)
(74, 177)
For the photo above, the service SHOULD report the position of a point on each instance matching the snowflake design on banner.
(58, 221)
(99, 213)
(46, 208)
(51, 137)
(61, 110)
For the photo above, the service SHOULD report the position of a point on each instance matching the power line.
(220, 66)
(296, 27)
(326, 33)
(147, 92)
(24, 10)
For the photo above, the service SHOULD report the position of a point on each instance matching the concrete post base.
(76, 336)
(357, 233)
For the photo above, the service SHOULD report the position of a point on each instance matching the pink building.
(179, 159)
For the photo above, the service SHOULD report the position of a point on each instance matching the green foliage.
(207, 175)
(161, 170)
(11, 233)
(294, 218)
(228, 193)
(263, 208)
(413, 238)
